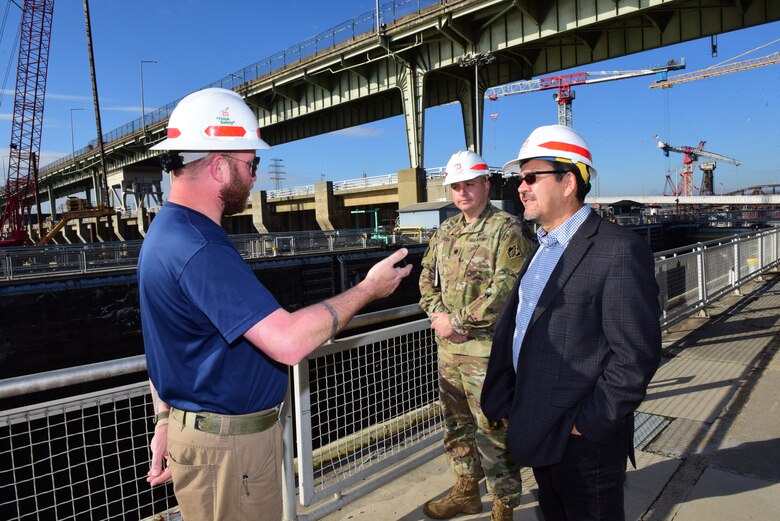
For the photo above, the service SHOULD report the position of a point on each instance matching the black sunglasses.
(530, 177)
(253, 164)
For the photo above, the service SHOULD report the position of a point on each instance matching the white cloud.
(128, 108)
(67, 97)
(361, 132)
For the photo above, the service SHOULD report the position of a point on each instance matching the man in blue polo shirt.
(217, 342)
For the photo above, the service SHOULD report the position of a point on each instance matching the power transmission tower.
(276, 172)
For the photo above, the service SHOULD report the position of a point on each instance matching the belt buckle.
(196, 424)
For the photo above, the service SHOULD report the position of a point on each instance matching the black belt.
(212, 424)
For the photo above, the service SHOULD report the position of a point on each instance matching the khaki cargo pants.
(223, 477)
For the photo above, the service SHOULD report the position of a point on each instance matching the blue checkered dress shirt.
(551, 247)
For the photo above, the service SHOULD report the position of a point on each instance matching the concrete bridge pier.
(324, 205)
(137, 181)
(52, 203)
(142, 220)
(70, 235)
(411, 186)
(262, 217)
(83, 230)
(97, 188)
(119, 226)
(412, 81)
(103, 228)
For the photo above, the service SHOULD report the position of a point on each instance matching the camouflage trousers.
(474, 445)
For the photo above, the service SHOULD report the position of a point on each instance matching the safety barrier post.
(736, 267)
(82, 261)
(702, 279)
(303, 432)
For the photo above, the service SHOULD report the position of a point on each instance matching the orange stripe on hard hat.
(481, 166)
(567, 147)
(224, 131)
(173, 133)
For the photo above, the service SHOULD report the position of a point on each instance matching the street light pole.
(476, 59)
(143, 111)
(72, 141)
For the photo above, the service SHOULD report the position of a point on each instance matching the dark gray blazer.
(590, 350)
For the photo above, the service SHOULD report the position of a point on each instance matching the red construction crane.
(565, 82)
(690, 158)
(25, 145)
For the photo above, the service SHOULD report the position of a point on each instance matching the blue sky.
(197, 42)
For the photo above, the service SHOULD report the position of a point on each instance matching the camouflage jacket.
(468, 272)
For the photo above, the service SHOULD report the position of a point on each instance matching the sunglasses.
(253, 164)
(530, 177)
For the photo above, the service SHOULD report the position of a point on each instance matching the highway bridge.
(361, 71)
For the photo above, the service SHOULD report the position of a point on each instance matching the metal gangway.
(363, 406)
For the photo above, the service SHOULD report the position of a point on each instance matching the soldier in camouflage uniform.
(468, 271)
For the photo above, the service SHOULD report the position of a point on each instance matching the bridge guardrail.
(393, 419)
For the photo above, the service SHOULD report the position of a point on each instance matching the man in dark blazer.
(578, 340)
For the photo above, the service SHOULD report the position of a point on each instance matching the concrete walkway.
(716, 455)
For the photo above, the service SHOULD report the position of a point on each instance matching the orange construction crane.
(717, 70)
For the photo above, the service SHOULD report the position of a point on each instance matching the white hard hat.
(465, 165)
(555, 143)
(211, 120)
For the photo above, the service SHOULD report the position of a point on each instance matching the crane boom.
(579, 78)
(564, 83)
(692, 151)
(690, 157)
(717, 70)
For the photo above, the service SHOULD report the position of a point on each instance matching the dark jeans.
(587, 485)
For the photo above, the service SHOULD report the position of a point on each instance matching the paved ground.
(717, 459)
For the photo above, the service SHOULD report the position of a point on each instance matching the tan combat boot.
(464, 498)
(500, 511)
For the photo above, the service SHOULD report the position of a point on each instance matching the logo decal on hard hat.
(224, 117)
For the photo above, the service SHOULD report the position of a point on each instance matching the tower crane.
(565, 82)
(690, 157)
(717, 70)
(25, 146)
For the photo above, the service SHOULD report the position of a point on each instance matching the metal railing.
(693, 277)
(80, 458)
(361, 25)
(34, 262)
(360, 405)
(348, 184)
(363, 404)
